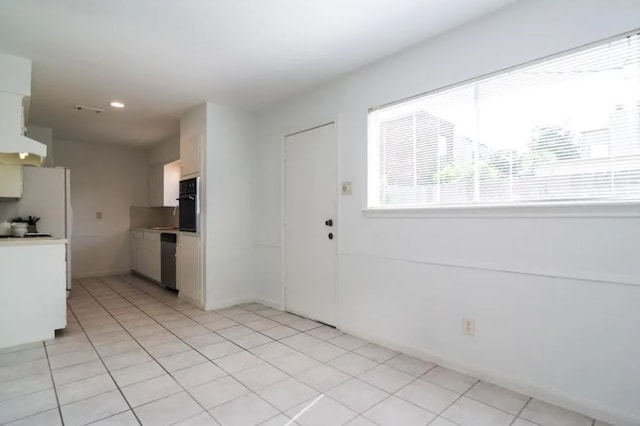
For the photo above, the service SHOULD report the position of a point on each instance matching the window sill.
(539, 210)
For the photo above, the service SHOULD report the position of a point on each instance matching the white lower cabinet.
(33, 291)
(146, 260)
(189, 268)
(145, 254)
(136, 249)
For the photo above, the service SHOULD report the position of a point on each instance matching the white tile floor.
(134, 354)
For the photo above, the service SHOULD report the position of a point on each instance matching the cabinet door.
(190, 155)
(189, 268)
(151, 256)
(171, 183)
(140, 258)
(143, 259)
(134, 254)
(136, 250)
(10, 181)
(154, 261)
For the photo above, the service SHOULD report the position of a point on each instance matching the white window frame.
(594, 209)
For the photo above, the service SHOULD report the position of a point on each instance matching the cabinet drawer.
(137, 235)
(152, 236)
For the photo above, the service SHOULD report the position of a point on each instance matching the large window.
(566, 129)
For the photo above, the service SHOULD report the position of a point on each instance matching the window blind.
(565, 129)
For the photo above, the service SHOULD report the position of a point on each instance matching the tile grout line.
(248, 350)
(104, 292)
(440, 414)
(377, 363)
(55, 391)
(237, 323)
(301, 351)
(24, 378)
(353, 351)
(251, 391)
(145, 350)
(195, 349)
(521, 410)
(321, 362)
(53, 383)
(108, 372)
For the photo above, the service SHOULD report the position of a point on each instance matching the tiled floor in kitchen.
(133, 353)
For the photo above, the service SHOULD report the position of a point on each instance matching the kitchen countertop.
(33, 241)
(159, 231)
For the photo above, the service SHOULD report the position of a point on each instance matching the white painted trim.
(589, 408)
(269, 303)
(196, 303)
(293, 131)
(338, 220)
(105, 274)
(539, 210)
(537, 391)
(617, 279)
(227, 303)
(283, 218)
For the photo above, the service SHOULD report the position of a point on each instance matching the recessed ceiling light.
(116, 104)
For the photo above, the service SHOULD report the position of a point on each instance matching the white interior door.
(310, 248)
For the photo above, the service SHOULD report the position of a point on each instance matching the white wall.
(544, 326)
(16, 75)
(107, 179)
(227, 169)
(230, 162)
(43, 135)
(165, 152)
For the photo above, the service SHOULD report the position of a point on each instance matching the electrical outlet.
(469, 326)
(98, 215)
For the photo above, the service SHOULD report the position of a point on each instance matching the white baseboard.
(222, 304)
(191, 301)
(588, 408)
(270, 303)
(99, 274)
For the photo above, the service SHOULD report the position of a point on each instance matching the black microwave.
(189, 205)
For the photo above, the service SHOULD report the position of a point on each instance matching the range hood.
(15, 148)
(22, 151)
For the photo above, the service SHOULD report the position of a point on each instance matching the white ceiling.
(161, 57)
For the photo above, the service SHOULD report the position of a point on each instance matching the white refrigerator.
(46, 194)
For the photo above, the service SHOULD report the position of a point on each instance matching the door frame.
(335, 120)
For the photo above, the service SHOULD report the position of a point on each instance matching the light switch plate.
(346, 188)
(98, 215)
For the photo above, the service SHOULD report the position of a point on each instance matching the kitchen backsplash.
(147, 217)
(8, 209)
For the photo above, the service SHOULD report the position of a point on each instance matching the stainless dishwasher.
(168, 260)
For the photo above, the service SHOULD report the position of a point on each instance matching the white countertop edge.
(34, 241)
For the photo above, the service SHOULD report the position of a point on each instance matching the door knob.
(330, 235)
(328, 222)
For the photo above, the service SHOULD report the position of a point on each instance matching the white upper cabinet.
(164, 182)
(171, 183)
(190, 155)
(10, 181)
